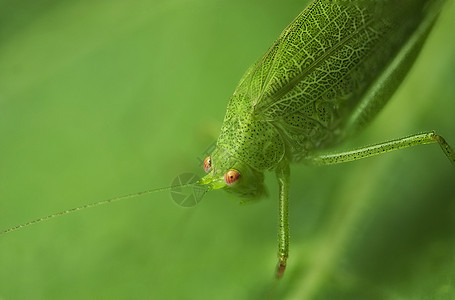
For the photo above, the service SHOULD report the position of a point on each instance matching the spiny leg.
(282, 174)
(368, 151)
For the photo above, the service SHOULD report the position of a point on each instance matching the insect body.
(327, 76)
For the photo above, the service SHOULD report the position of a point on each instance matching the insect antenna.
(173, 188)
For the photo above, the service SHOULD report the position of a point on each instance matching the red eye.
(207, 164)
(231, 176)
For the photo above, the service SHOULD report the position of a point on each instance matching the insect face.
(228, 172)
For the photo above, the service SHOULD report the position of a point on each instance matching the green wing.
(332, 67)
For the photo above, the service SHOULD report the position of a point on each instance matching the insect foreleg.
(368, 151)
(282, 174)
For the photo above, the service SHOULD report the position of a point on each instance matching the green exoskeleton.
(327, 76)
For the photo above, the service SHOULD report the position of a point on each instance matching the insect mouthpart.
(212, 181)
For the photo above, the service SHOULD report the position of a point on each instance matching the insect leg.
(364, 152)
(282, 174)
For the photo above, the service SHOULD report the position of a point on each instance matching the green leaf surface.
(104, 98)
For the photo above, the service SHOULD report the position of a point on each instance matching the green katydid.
(328, 74)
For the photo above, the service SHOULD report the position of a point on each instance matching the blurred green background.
(103, 98)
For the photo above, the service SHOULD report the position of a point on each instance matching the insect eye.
(231, 176)
(207, 164)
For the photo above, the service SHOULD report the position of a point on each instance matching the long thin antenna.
(68, 211)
